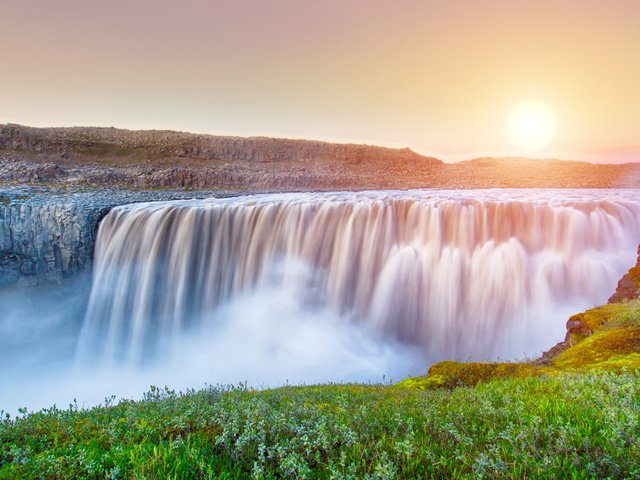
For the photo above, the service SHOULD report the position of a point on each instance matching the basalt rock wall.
(46, 237)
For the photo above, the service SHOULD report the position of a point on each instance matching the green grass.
(611, 342)
(570, 426)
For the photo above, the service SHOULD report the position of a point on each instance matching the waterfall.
(459, 274)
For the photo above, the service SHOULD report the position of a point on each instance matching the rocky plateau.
(77, 158)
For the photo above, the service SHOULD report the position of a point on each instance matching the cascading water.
(460, 274)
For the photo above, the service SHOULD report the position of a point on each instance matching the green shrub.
(456, 374)
(573, 426)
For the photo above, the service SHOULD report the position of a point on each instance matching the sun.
(531, 126)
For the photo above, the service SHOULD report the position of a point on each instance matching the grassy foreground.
(573, 414)
(573, 426)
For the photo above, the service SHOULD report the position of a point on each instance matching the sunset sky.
(438, 76)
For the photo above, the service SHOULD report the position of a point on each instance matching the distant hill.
(627, 154)
(518, 172)
(102, 144)
(510, 162)
(87, 157)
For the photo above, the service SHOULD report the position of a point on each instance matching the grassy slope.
(578, 416)
(581, 426)
(608, 340)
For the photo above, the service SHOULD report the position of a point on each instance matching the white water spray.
(459, 274)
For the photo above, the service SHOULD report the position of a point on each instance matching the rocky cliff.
(166, 144)
(47, 236)
(151, 159)
(45, 241)
(629, 286)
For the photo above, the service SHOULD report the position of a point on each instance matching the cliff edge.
(79, 158)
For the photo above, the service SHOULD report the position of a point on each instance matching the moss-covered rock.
(629, 286)
(457, 374)
(616, 335)
(583, 325)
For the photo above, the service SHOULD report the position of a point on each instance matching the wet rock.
(547, 357)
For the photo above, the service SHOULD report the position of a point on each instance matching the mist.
(263, 338)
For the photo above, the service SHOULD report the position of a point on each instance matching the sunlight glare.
(531, 126)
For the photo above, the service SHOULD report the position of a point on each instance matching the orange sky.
(438, 76)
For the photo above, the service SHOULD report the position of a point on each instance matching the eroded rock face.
(46, 237)
(42, 243)
(629, 286)
(112, 142)
(99, 157)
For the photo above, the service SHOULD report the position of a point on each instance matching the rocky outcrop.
(162, 159)
(110, 142)
(45, 242)
(46, 236)
(629, 286)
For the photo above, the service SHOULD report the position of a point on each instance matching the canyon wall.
(44, 242)
(46, 237)
(162, 144)
(151, 159)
